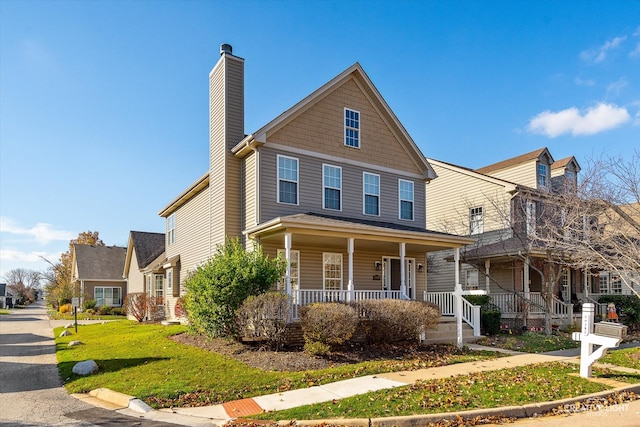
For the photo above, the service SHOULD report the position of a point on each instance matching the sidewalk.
(220, 414)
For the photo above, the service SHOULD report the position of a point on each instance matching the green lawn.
(141, 360)
(3, 312)
(628, 357)
(517, 386)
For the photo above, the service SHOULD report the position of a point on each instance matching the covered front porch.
(331, 258)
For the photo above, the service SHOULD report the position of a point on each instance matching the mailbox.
(609, 329)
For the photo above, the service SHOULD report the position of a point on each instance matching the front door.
(391, 274)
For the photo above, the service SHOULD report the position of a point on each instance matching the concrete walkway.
(220, 414)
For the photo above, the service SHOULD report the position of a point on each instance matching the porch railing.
(447, 303)
(309, 296)
(600, 309)
(516, 303)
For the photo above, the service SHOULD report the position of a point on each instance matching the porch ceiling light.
(378, 265)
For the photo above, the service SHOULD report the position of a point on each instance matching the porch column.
(526, 278)
(403, 283)
(487, 266)
(586, 284)
(350, 284)
(287, 255)
(456, 260)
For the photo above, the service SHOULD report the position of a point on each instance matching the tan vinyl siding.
(442, 273)
(379, 142)
(452, 194)
(249, 182)
(226, 102)
(192, 236)
(135, 281)
(523, 174)
(310, 191)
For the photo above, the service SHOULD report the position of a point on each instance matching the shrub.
(490, 314)
(90, 312)
(66, 308)
(627, 306)
(217, 289)
(316, 348)
(180, 308)
(398, 320)
(88, 304)
(105, 310)
(265, 317)
(140, 305)
(330, 324)
(118, 311)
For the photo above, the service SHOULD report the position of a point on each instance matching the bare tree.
(23, 284)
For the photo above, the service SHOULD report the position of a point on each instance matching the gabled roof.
(523, 158)
(186, 195)
(99, 262)
(353, 72)
(563, 163)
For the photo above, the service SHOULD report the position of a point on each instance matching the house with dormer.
(500, 205)
(334, 184)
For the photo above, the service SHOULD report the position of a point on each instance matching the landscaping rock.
(68, 326)
(74, 343)
(65, 333)
(87, 367)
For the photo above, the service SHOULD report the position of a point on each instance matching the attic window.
(543, 178)
(351, 128)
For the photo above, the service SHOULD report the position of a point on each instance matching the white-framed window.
(105, 295)
(294, 273)
(603, 281)
(171, 228)
(332, 271)
(287, 180)
(169, 279)
(543, 177)
(147, 288)
(405, 192)
(531, 218)
(615, 283)
(471, 279)
(564, 284)
(476, 220)
(158, 288)
(332, 187)
(371, 190)
(351, 128)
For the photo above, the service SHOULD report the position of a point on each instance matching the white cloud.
(600, 54)
(581, 82)
(594, 120)
(42, 232)
(615, 87)
(635, 53)
(14, 255)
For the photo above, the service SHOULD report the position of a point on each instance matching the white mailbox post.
(587, 338)
(457, 294)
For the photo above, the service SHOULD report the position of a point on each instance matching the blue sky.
(104, 104)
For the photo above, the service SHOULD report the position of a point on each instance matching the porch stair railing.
(600, 309)
(302, 297)
(446, 301)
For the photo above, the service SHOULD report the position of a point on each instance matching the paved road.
(31, 392)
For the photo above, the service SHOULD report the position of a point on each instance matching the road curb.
(121, 399)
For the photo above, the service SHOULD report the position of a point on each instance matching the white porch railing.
(446, 301)
(309, 296)
(599, 308)
(515, 303)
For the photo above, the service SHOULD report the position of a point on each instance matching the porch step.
(446, 332)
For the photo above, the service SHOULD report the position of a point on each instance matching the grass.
(531, 342)
(3, 312)
(140, 360)
(628, 357)
(82, 316)
(516, 386)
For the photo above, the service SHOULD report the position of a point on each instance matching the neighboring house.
(500, 206)
(96, 273)
(143, 266)
(5, 296)
(335, 184)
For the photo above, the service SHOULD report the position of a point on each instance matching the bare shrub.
(264, 317)
(397, 320)
(140, 305)
(328, 323)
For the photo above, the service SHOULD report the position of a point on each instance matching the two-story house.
(501, 206)
(335, 184)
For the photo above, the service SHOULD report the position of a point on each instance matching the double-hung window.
(405, 191)
(332, 271)
(351, 128)
(170, 282)
(476, 220)
(603, 281)
(171, 228)
(332, 187)
(472, 279)
(543, 179)
(371, 189)
(287, 180)
(158, 288)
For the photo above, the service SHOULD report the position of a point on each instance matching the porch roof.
(504, 249)
(314, 228)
